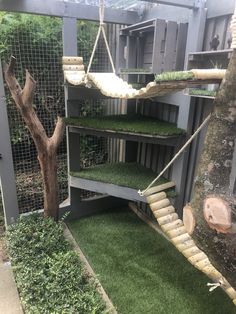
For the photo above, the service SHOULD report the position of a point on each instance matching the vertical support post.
(7, 176)
(69, 33)
(194, 43)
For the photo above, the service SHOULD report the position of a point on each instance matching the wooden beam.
(219, 8)
(69, 9)
(189, 4)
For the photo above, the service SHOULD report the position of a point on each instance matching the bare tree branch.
(46, 147)
(57, 136)
(29, 89)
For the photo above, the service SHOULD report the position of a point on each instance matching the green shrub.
(49, 275)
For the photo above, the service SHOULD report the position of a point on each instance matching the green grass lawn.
(127, 123)
(141, 271)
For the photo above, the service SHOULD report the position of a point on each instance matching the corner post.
(7, 175)
(69, 33)
(194, 43)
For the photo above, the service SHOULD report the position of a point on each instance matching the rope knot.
(214, 285)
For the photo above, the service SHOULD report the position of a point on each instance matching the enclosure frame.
(70, 12)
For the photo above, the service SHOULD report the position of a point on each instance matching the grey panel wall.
(218, 26)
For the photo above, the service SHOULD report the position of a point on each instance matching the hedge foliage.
(49, 275)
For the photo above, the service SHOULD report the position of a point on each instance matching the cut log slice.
(191, 251)
(176, 232)
(159, 188)
(167, 219)
(231, 293)
(164, 211)
(217, 214)
(197, 258)
(160, 205)
(72, 60)
(200, 265)
(181, 239)
(188, 219)
(173, 225)
(156, 197)
(211, 272)
(185, 245)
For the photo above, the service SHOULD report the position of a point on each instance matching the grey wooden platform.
(173, 140)
(106, 188)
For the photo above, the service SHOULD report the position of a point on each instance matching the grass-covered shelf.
(203, 93)
(129, 127)
(121, 180)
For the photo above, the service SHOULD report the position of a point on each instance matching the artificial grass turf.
(174, 76)
(141, 271)
(128, 174)
(201, 92)
(127, 123)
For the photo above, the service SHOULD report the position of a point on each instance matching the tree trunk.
(46, 146)
(214, 203)
(48, 165)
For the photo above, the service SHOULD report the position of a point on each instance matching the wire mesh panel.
(36, 42)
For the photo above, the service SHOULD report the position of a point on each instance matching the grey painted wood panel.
(106, 188)
(69, 9)
(170, 46)
(131, 52)
(181, 46)
(159, 37)
(220, 29)
(220, 8)
(136, 137)
(228, 33)
(209, 33)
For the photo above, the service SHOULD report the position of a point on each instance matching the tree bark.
(214, 202)
(46, 146)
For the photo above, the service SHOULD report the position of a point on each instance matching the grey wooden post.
(7, 177)
(73, 140)
(194, 43)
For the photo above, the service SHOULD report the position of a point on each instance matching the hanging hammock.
(111, 85)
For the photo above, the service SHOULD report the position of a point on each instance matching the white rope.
(214, 285)
(101, 30)
(108, 49)
(142, 193)
(94, 49)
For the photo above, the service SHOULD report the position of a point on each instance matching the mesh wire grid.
(36, 42)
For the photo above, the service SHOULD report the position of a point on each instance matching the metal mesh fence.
(36, 42)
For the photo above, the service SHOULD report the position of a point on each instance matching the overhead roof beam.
(69, 9)
(188, 4)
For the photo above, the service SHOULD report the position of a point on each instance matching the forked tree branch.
(58, 133)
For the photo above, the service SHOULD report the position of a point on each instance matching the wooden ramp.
(111, 85)
(174, 229)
